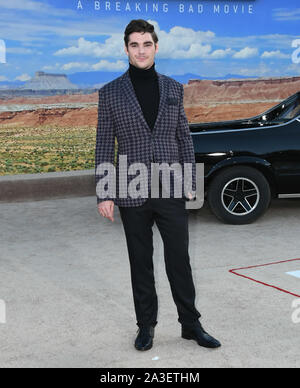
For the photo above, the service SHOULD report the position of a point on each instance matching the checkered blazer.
(120, 116)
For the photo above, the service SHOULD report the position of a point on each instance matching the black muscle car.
(250, 161)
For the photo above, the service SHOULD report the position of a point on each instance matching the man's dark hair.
(139, 25)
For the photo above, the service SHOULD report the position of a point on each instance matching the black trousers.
(171, 218)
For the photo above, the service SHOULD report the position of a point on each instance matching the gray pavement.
(65, 282)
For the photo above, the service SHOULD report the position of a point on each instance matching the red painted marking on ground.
(265, 284)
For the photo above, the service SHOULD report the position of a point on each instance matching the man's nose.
(141, 49)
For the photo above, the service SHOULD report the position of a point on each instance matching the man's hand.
(106, 209)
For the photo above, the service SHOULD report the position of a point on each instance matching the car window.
(290, 111)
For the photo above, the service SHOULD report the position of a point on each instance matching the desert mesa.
(204, 101)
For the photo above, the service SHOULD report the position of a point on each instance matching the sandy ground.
(65, 283)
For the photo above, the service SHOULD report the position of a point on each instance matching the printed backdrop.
(236, 59)
(207, 39)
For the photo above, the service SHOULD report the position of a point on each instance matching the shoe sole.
(144, 348)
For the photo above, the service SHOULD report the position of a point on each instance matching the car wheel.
(239, 195)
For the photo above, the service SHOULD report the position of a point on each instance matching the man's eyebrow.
(148, 41)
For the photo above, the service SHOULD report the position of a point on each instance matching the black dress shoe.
(198, 334)
(144, 340)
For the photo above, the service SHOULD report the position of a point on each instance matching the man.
(144, 110)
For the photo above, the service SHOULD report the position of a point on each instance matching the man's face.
(141, 49)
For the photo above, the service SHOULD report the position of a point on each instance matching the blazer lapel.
(131, 99)
(163, 92)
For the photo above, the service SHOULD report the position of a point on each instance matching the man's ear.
(156, 47)
(125, 49)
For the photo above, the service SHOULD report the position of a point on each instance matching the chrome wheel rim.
(240, 196)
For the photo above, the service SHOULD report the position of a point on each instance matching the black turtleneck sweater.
(146, 88)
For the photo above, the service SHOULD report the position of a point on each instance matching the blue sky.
(56, 37)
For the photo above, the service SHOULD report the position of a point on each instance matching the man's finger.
(107, 210)
(103, 211)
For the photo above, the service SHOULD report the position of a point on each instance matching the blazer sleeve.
(185, 142)
(105, 141)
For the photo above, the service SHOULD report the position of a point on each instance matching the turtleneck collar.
(136, 72)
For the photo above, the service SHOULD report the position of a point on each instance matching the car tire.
(239, 195)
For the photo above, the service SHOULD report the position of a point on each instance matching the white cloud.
(103, 64)
(285, 14)
(51, 67)
(3, 78)
(275, 54)
(22, 51)
(217, 54)
(183, 43)
(179, 43)
(246, 52)
(261, 70)
(76, 65)
(110, 66)
(196, 50)
(111, 48)
(263, 42)
(186, 43)
(23, 77)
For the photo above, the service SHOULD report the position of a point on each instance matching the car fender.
(253, 161)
